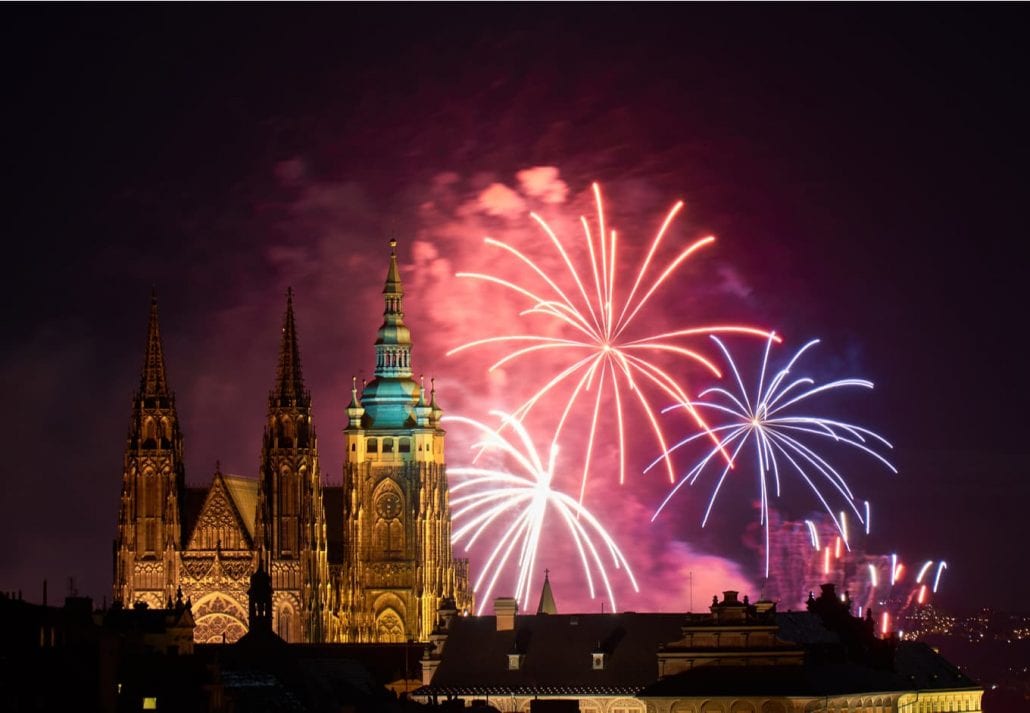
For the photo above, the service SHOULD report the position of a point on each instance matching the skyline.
(222, 176)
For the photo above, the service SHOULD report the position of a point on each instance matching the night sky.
(863, 168)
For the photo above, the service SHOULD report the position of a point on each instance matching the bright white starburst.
(487, 494)
(600, 341)
(766, 418)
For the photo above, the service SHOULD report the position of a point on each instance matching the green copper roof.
(389, 399)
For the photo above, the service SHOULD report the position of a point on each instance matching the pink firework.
(597, 330)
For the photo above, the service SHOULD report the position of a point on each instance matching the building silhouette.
(370, 561)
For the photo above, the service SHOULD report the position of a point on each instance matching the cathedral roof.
(244, 494)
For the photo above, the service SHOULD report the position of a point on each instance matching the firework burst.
(766, 418)
(488, 494)
(599, 321)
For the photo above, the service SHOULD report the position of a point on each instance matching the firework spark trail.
(763, 418)
(597, 342)
(529, 496)
(937, 578)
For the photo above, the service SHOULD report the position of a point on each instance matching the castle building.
(736, 658)
(368, 562)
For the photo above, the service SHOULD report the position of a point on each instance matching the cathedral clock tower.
(398, 566)
(153, 486)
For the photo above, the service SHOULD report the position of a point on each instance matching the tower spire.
(393, 276)
(393, 343)
(391, 396)
(546, 605)
(153, 380)
(289, 383)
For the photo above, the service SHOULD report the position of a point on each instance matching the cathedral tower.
(153, 486)
(291, 516)
(397, 562)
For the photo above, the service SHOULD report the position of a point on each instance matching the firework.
(528, 496)
(765, 417)
(598, 320)
(870, 582)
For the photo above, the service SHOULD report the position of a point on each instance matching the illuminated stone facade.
(397, 566)
(391, 567)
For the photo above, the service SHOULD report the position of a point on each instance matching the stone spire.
(289, 383)
(153, 484)
(546, 605)
(153, 380)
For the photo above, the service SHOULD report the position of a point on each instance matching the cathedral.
(370, 561)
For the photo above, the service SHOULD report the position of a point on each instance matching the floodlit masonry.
(370, 561)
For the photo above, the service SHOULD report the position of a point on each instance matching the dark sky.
(865, 168)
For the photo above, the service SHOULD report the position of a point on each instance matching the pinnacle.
(289, 382)
(393, 276)
(153, 380)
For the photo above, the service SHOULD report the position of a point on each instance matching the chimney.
(505, 609)
(429, 665)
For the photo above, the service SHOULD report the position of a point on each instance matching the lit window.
(150, 703)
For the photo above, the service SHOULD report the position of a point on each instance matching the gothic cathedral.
(368, 562)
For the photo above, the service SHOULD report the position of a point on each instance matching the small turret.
(436, 411)
(423, 411)
(355, 411)
(260, 594)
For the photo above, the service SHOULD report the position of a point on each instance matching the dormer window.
(515, 661)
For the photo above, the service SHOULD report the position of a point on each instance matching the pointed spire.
(289, 383)
(153, 381)
(546, 605)
(423, 411)
(355, 402)
(389, 399)
(393, 276)
(355, 411)
(393, 343)
(436, 413)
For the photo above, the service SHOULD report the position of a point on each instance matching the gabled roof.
(234, 493)
(557, 650)
(556, 660)
(244, 493)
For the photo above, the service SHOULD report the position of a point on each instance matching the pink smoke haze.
(452, 226)
(331, 247)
